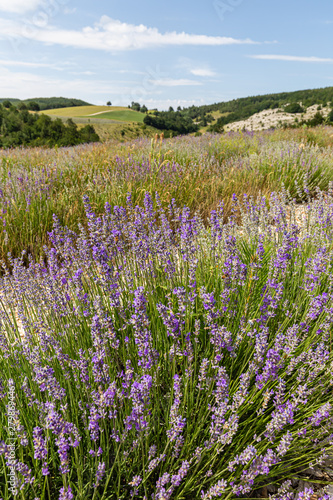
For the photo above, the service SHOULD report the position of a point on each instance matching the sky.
(163, 53)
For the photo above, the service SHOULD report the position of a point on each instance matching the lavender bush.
(157, 355)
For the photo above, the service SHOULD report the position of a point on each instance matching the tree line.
(42, 103)
(19, 127)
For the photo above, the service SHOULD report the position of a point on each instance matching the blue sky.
(163, 53)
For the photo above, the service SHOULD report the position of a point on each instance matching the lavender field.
(166, 319)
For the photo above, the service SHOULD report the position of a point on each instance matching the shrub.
(294, 107)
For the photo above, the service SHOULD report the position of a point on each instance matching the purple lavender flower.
(66, 495)
(284, 444)
(99, 473)
(305, 495)
(215, 491)
(142, 334)
(39, 444)
(176, 421)
(322, 414)
(271, 368)
(176, 479)
(140, 397)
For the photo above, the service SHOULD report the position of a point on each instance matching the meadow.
(117, 113)
(166, 317)
(79, 111)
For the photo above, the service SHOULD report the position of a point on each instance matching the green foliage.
(135, 105)
(177, 121)
(49, 102)
(33, 106)
(330, 116)
(294, 107)
(19, 127)
(217, 127)
(22, 106)
(318, 119)
(58, 102)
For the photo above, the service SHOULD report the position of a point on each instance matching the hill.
(243, 108)
(48, 102)
(214, 117)
(117, 113)
(110, 122)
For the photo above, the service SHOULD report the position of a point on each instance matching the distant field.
(125, 115)
(81, 110)
(117, 113)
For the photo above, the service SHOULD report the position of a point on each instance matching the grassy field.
(166, 318)
(125, 115)
(118, 113)
(111, 123)
(72, 112)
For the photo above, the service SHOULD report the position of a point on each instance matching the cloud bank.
(112, 35)
(19, 6)
(273, 57)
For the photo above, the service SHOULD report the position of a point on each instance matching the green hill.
(49, 102)
(124, 115)
(119, 113)
(215, 116)
(243, 108)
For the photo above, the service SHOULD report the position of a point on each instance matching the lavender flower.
(99, 473)
(66, 495)
(177, 422)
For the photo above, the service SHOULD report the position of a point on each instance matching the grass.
(125, 115)
(77, 111)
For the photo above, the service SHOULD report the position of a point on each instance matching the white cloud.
(273, 57)
(170, 82)
(202, 72)
(111, 35)
(166, 103)
(19, 6)
(27, 64)
(86, 73)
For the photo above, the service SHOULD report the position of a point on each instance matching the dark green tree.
(330, 116)
(33, 106)
(22, 106)
(294, 107)
(136, 106)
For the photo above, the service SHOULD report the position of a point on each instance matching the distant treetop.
(49, 102)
